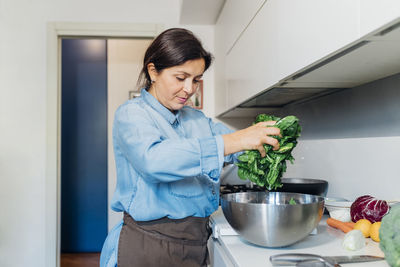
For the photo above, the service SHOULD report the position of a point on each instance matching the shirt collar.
(157, 106)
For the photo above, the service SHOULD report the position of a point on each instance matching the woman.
(169, 157)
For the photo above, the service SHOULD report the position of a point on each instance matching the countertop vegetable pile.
(267, 171)
(372, 217)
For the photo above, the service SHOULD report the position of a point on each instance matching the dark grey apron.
(164, 242)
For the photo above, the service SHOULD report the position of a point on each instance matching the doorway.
(97, 75)
(83, 144)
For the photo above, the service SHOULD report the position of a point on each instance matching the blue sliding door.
(84, 145)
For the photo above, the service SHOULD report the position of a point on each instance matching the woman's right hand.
(252, 138)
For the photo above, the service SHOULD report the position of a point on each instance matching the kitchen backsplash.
(352, 166)
(352, 139)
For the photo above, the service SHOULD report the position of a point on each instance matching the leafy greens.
(292, 201)
(267, 171)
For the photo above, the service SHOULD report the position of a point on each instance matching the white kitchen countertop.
(327, 242)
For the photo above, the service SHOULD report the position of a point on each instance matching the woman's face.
(173, 86)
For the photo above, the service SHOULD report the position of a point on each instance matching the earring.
(152, 81)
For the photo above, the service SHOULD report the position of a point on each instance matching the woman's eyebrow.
(188, 74)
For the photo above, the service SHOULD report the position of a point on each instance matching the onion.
(368, 207)
(354, 240)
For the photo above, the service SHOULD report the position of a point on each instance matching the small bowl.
(269, 219)
(332, 204)
(338, 208)
(329, 199)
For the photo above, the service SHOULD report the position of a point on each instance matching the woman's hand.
(252, 138)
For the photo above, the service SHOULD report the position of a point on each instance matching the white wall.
(352, 139)
(206, 35)
(23, 107)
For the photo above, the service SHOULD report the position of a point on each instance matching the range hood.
(278, 97)
(373, 57)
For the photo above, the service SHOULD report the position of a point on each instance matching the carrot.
(339, 225)
(351, 224)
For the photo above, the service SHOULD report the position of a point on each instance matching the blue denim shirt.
(167, 164)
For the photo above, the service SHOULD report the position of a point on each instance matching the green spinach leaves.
(267, 171)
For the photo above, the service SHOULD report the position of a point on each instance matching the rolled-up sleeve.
(211, 160)
(220, 129)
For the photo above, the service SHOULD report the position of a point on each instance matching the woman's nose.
(188, 86)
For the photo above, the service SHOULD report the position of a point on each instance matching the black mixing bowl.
(304, 186)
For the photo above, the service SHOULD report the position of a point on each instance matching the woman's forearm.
(253, 137)
(231, 143)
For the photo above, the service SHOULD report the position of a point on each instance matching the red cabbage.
(368, 207)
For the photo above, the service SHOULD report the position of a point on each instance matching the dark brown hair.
(171, 48)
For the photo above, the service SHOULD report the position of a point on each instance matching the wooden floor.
(80, 259)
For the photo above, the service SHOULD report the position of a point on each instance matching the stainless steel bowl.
(267, 218)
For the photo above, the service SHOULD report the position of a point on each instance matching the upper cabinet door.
(375, 14)
(309, 30)
(284, 37)
(307, 43)
(234, 18)
(251, 63)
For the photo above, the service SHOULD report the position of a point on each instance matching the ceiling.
(204, 12)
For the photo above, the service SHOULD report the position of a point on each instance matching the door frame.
(56, 31)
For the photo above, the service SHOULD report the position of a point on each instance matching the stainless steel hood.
(370, 58)
(278, 97)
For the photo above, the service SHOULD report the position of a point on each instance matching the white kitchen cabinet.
(251, 64)
(234, 18)
(284, 37)
(309, 30)
(372, 61)
(374, 14)
(309, 44)
(218, 257)
(232, 21)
